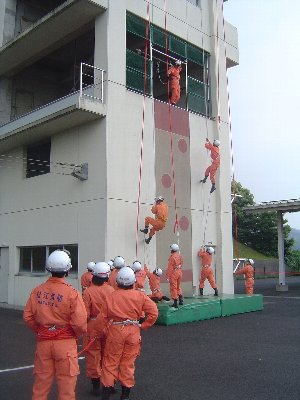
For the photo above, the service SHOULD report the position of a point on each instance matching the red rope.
(86, 347)
(170, 126)
(143, 130)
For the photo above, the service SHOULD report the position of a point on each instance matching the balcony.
(51, 32)
(232, 50)
(70, 111)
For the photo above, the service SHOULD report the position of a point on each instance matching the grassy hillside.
(247, 252)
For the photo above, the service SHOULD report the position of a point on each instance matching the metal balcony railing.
(91, 81)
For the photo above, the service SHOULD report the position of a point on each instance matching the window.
(33, 259)
(194, 83)
(38, 159)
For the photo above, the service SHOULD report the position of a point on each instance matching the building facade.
(83, 90)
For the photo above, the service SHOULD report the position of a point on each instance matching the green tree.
(258, 231)
(293, 260)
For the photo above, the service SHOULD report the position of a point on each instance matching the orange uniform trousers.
(157, 225)
(207, 273)
(123, 345)
(175, 91)
(212, 169)
(55, 358)
(175, 280)
(249, 283)
(94, 354)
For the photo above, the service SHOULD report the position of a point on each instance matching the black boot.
(145, 231)
(175, 305)
(180, 300)
(125, 393)
(204, 180)
(216, 292)
(148, 240)
(165, 298)
(106, 391)
(96, 386)
(213, 188)
(201, 291)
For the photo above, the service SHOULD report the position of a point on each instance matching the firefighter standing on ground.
(56, 313)
(86, 278)
(161, 211)
(174, 77)
(174, 275)
(118, 263)
(206, 270)
(215, 158)
(248, 271)
(123, 309)
(94, 297)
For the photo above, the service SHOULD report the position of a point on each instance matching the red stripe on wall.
(179, 118)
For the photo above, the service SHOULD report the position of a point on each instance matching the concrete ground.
(253, 356)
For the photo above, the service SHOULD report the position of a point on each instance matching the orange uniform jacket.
(112, 278)
(55, 302)
(86, 280)
(140, 277)
(175, 262)
(214, 151)
(161, 211)
(248, 271)
(206, 258)
(94, 297)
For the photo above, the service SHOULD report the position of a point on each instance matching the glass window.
(38, 159)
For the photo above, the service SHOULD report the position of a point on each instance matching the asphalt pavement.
(251, 356)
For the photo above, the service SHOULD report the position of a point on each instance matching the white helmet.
(125, 277)
(210, 250)
(159, 198)
(174, 247)
(250, 261)
(101, 269)
(58, 261)
(90, 266)
(216, 142)
(158, 271)
(111, 264)
(177, 62)
(119, 262)
(136, 266)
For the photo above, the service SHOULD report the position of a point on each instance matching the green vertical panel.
(177, 45)
(197, 103)
(135, 81)
(135, 25)
(196, 87)
(158, 36)
(196, 54)
(137, 62)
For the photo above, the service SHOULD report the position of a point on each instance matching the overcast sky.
(265, 99)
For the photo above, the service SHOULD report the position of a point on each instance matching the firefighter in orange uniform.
(212, 169)
(140, 275)
(174, 275)
(161, 211)
(118, 263)
(248, 271)
(154, 283)
(86, 278)
(206, 270)
(174, 77)
(123, 344)
(56, 313)
(94, 297)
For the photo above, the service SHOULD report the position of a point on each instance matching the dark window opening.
(194, 76)
(38, 159)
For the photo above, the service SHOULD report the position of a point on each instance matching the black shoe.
(175, 305)
(201, 291)
(148, 240)
(125, 393)
(213, 188)
(216, 292)
(180, 300)
(165, 298)
(203, 180)
(96, 386)
(106, 391)
(145, 231)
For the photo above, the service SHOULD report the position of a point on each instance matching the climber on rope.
(248, 271)
(206, 270)
(174, 275)
(215, 157)
(160, 210)
(174, 77)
